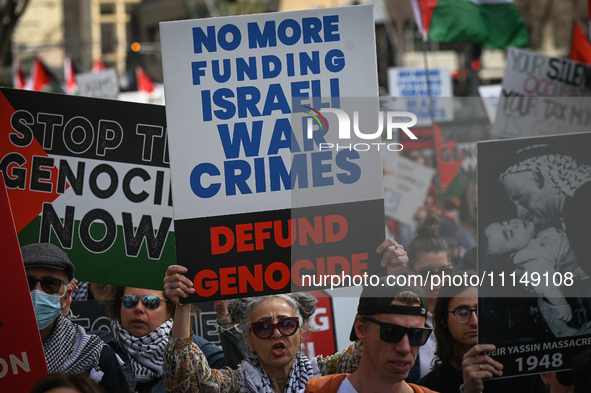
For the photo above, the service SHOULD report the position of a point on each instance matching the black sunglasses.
(391, 333)
(151, 302)
(49, 285)
(287, 327)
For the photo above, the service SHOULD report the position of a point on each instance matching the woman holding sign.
(273, 327)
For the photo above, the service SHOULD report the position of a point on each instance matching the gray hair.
(303, 304)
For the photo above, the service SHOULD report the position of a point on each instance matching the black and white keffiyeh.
(81, 294)
(255, 378)
(563, 171)
(70, 350)
(146, 352)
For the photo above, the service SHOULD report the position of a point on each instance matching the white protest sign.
(490, 95)
(242, 94)
(411, 84)
(405, 191)
(543, 95)
(102, 84)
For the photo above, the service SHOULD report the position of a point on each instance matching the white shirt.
(346, 387)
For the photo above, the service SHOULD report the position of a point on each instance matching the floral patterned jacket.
(186, 368)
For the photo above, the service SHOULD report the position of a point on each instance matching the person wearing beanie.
(67, 347)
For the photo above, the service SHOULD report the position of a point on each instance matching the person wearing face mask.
(68, 349)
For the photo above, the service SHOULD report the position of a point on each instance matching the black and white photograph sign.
(534, 251)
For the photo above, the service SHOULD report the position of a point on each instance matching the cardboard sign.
(22, 361)
(490, 95)
(406, 190)
(156, 97)
(102, 84)
(322, 341)
(543, 96)
(257, 203)
(534, 251)
(411, 85)
(92, 177)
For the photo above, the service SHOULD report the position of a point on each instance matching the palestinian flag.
(144, 82)
(98, 66)
(40, 77)
(18, 77)
(92, 177)
(492, 23)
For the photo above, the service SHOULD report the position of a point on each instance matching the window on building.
(107, 8)
(108, 38)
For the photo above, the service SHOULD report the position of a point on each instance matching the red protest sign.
(22, 361)
(321, 341)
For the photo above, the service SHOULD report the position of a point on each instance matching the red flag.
(70, 76)
(581, 48)
(18, 77)
(144, 82)
(98, 66)
(40, 77)
(449, 159)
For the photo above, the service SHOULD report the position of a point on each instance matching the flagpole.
(589, 17)
(439, 200)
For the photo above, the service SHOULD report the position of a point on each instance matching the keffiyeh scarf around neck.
(562, 171)
(146, 352)
(255, 378)
(70, 350)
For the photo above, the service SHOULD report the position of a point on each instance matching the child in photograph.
(547, 251)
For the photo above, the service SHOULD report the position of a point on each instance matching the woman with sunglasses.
(141, 320)
(428, 255)
(273, 327)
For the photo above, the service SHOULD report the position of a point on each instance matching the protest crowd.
(247, 236)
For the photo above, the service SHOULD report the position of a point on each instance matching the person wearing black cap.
(68, 349)
(391, 323)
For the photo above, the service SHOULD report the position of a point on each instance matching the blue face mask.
(47, 307)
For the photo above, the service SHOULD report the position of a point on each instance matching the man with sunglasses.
(68, 349)
(391, 323)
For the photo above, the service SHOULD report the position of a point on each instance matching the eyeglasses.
(287, 327)
(391, 333)
(49, 285)
(151, 302)
(428, 272)
(464, 314)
